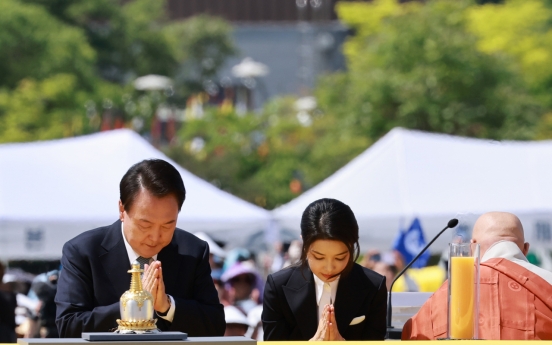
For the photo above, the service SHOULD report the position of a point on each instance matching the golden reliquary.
(136, 306)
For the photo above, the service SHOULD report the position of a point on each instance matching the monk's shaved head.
(498, 226)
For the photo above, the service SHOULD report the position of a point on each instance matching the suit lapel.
(351, 291)
(170, 264)
(115, 259)
(301, 298)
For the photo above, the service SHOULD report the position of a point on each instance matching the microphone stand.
(392, 332)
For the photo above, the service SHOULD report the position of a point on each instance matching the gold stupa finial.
(135, 281)
(136, 306)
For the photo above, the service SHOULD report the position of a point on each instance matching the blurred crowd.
(27, 307)
(239, 275)
(390, 263)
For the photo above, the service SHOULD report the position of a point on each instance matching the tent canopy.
(51, 191)
(437, 177)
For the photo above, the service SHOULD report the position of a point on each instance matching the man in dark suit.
(176, 270)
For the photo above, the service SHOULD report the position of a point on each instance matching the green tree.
(68, 64)
(40, 110)
(219, 148)
(135, 38)
(56, 107)
(128, 37)
(417, 66)
(522, 30)
(46, 76)
(33, 44)
(254, 156)
(202, 44)
(267, 158)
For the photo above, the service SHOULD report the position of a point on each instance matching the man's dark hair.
(154, 175)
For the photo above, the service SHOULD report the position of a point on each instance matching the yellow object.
(428, 279)
(418, 342)
(136, 306)
(462, 297)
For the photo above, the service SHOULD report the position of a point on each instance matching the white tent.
(437, 177)
(51, 191)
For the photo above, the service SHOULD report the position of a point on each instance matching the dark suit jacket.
(94, 276)
(290, 310)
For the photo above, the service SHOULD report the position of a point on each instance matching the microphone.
(395, 333)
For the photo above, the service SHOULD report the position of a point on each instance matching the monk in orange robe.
(515, 297)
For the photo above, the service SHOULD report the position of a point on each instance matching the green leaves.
(270, 157)
(440, 66)
(202, 44)
(443, 66)
(40, 110)
(68, 65)
(419, 67)
(522, 31)
(35, 45)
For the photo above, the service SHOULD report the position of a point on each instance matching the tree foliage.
(38, 110)
(68, 65)
(417, 66)
(202, 43)
(473, 68)
(225, 147)
(270, 157)
(35, 45)
(421, 65)
(128, 37)
(522, 30)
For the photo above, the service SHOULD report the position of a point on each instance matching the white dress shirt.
(132, 256)
(319, 289)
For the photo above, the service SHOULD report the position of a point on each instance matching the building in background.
(297, 40)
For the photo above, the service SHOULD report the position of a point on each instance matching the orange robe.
(514, 304)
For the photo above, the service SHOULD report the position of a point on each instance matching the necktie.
(143, 261)
(324, 299)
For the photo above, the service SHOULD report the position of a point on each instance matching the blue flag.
(410, 242)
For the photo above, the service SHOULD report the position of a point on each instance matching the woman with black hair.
(326, 296)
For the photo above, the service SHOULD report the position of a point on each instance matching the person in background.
(406, 283)
(382, 263)
(216, 253)
(327, 296)
(294, 253)
(8, 303)
(176, 263)
(256, 326)
(243, 284)
(386, 270)
(45, 290)
(219, 285)
(425, 279)
(371, 258)
(236, 322)
(237, 255)
(278, 258)
(514, 300)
